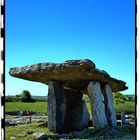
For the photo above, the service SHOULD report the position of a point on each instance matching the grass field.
(128, 106)
(21, 106)
(20, 132)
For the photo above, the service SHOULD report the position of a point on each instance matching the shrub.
(119, 96)
(40, 99)
(26, 96)
(12, 99)
(119, 101)
(8, 99)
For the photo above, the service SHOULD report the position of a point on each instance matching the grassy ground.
(21, 132)
(128, 106)
(20, 106)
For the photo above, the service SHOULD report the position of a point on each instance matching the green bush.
(40, 99)
(12, 99)
(119, 95)
(119, 101)
(119, 98)
(26, 96)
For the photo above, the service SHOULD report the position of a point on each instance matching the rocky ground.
(120, 132)
(17, 120)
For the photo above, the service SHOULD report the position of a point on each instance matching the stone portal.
(67, 82)
(77, 115)
(66, 109)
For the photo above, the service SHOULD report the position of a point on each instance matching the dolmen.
(67, 82)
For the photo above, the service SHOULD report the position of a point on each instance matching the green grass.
(22, 130)
(128, 106)
(89, 108)
(20, 106)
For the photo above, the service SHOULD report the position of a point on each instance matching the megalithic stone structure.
(66, 109)
(56, 106)
(77, 115)
(109, 109)
(67, 82)
(123, 118)
(97, 107)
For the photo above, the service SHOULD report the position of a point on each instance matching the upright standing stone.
(123, 118)
(98, 111)
(109, 109)
(56, 106)
(76, 111)
(80, 116)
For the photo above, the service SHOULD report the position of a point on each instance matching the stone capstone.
(75, 74)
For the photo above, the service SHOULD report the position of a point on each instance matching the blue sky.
(58, 30)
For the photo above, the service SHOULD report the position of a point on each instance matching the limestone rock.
(30, 132)
(80, 116)
(109, 109)
(75, 74)
(21, 135)
(130, 116)
(39, 136)
(77, 116)
(12, 138)
(56, 106)
(66, 110)
(97, 107)
(123, 118)
(82, 133)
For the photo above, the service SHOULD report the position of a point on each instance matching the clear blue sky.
(58, 30)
